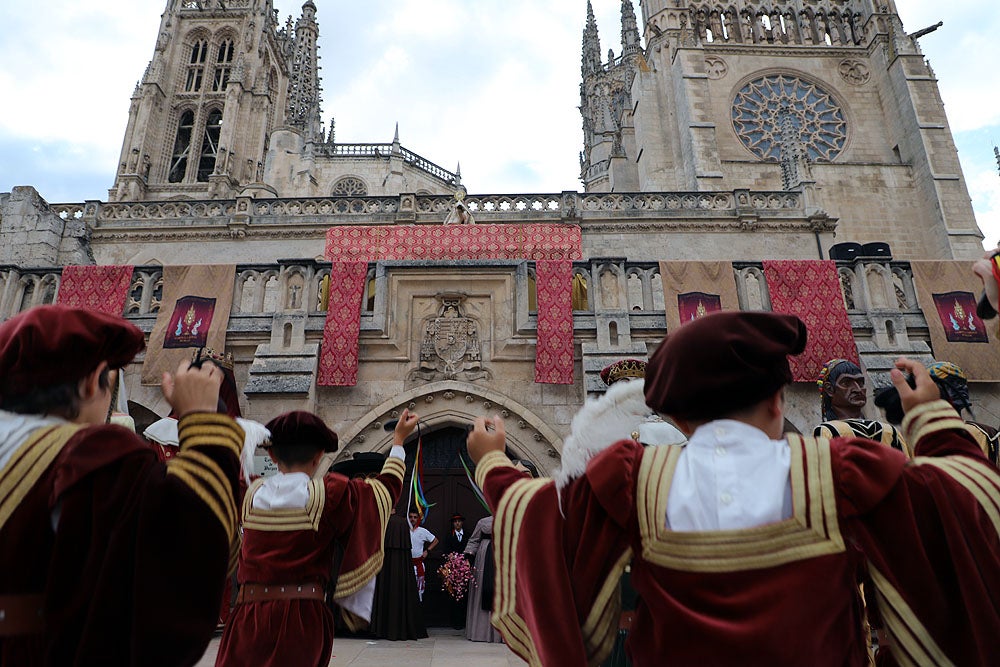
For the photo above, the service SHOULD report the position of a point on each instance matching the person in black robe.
(396, 613)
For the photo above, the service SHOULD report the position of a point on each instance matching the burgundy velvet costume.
(287, 547)
(922, 533)
(134, 570)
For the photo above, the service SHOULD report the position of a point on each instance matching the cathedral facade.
(739, 132)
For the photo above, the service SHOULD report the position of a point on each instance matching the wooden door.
(449, 489)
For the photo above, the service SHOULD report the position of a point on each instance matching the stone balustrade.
(499, 208)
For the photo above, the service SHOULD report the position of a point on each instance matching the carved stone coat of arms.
(450, 348)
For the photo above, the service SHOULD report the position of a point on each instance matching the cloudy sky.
(490, 83)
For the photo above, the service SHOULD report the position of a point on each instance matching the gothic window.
(579, 292)
(223, 65)
(761, 106)
(350, 186)
(210, 145)
(182, 148)
(196, 67)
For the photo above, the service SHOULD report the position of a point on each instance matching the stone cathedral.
(738, 131)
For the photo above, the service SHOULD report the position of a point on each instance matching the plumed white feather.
(600, 423)
(256, 434)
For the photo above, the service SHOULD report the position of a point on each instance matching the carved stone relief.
(855, 72)
(451, 346)
(716, 67)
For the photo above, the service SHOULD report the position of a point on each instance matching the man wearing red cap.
(747, 546)
(93, 570)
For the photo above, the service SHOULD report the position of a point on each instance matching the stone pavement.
(444, 648)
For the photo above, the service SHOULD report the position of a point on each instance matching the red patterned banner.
(811, 290)
(338, 359)
(554, 351)
(100, 288)
(437, 242)
(557, 244)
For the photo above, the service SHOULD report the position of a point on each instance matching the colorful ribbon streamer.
(475, 487)
(417, 485)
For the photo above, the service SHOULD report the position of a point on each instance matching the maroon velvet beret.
(51, 345)
(722, 362)
(301, 428)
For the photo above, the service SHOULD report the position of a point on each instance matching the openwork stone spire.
(303, 107)
(591, 44)
(795, 167)
(630, 29)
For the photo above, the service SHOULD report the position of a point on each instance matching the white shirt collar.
(284, 491)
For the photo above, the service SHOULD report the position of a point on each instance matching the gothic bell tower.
(829, 96)
(223, 75)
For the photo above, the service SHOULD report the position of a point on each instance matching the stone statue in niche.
(451, 348)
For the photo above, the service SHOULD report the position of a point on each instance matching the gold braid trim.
(601, 626)
(506, 536)
(203, 429)
(804, 535)
(494, 459)
(394, 467)
(215, 477)
(353, 581)
(979, 479)
(285, 520)
(913, 645)
(207, 489)
(928, 418)
(29, 463)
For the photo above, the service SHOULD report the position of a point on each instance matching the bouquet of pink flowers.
(456, 573)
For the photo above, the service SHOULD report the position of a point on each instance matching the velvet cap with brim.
(52, 345)
(301, 428)
(721, 363)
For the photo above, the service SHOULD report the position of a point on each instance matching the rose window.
(765, 105)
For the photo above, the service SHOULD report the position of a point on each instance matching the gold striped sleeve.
(349, 583)
(204, 429)
(395, 467)
(202, 473)
(601, 625)
(494, 459)
(981, 480)
(506, 536)
(913, 644)
(929, 418)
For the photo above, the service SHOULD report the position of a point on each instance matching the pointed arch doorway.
(447, 486)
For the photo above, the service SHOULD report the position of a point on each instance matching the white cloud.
(490, 83)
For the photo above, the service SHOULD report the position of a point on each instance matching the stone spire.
(630, 29)
(591, 44)
(795, 169)
(303, 107)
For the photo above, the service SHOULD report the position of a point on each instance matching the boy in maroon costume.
(93, 569)
(292, 523)
(748, 546)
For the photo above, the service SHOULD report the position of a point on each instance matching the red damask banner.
(100, 288)
(811, 290)
(554, 351)
(354, 246)
(338, 359)
(439, 242)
